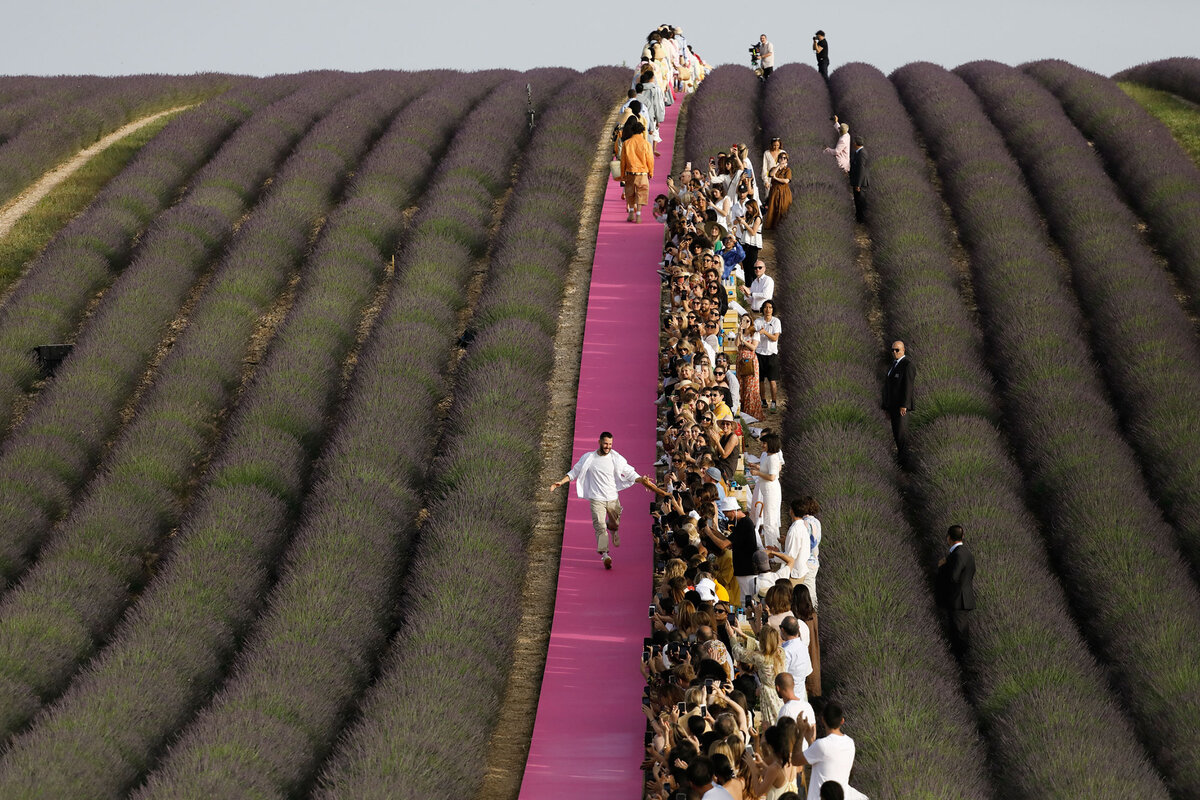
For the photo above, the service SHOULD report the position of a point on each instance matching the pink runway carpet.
(588, 737)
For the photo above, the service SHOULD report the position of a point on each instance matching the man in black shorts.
(769, 329)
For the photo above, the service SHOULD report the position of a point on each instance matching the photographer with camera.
(766, 56)
(821, 48)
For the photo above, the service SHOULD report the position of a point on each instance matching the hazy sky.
(261, 37)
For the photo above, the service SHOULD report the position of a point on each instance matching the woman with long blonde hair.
(768, 660)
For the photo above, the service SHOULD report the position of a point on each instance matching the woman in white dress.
(770, 157)
(768, 497)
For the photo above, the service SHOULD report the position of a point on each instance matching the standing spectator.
(780, 198)
(747, 366)
(794, 635)
(898, 396)
(766, 56)
(794, 706)
(804, 613)
(772, 773)
(841, 151)
(599, 474)
(769, 330)
(859, 178)
(749, 227)
(797, 544)
(744, 544)
(768, 661)
(832, 756)
(956, 589)
(637, 167)
(770, 159)
(700, 776)
(761, 288)
(764, 508)
(809, 508)
(821, 48)
(732, 255)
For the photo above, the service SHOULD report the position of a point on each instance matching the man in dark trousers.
(956, 589)
(859, 177)
(821, 48)
(898, 396)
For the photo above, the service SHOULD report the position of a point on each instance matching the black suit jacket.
(955, 580)
(898, 386)
(859, 173)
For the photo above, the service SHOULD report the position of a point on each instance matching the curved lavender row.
(877, 624)
(186, 627)
(1130, 590)
(93, 248)
(100, 545)
(962, 473)
(720, 116)
(1155, 174)
(1180, 75)
(73, 118)
(477, 523)
(52, 452)
(1141, 337)
(316, 646)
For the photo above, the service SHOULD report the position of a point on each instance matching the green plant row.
(1026, 653)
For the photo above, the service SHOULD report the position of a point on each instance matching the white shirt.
(795, 652)
(797, 547)
(814, 543)
(600, 477)
(832, 758)
(761, 289)
(767, 347)
(798, 709)
(717, 793)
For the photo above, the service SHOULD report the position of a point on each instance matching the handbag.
(614, 168)
(745, 366)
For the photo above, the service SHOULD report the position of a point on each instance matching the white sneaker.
(607, 561)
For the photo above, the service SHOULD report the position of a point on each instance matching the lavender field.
(251, 530)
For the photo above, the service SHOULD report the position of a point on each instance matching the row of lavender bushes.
(1141, 336)
(94, 247)
(139, 492)
(327, 622)
(187, 626)
(67, 114)
(1132, 594)
(450, 661)
(883, 655)
(1156, 176)
(58, 443)
(962, 473)
(725, 113)
(1180, 75)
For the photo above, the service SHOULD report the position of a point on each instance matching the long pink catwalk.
(587, 740)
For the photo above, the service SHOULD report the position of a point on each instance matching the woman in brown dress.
(780, 199)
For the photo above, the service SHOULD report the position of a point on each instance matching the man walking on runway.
(599, 475)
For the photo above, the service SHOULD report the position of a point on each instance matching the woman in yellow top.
(637, 167)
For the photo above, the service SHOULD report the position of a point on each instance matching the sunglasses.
(719, 373)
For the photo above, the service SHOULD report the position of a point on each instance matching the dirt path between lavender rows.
(27, 199)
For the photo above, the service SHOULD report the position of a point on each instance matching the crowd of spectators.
(732, 663)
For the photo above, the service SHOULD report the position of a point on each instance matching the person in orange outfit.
(637, 167)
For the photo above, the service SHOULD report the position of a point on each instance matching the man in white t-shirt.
(794, 706)
(831, 757)
(699, 776)
(599, 474)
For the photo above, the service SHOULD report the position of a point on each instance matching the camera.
(755, 54)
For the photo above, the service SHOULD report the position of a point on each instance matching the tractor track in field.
(25, 201)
